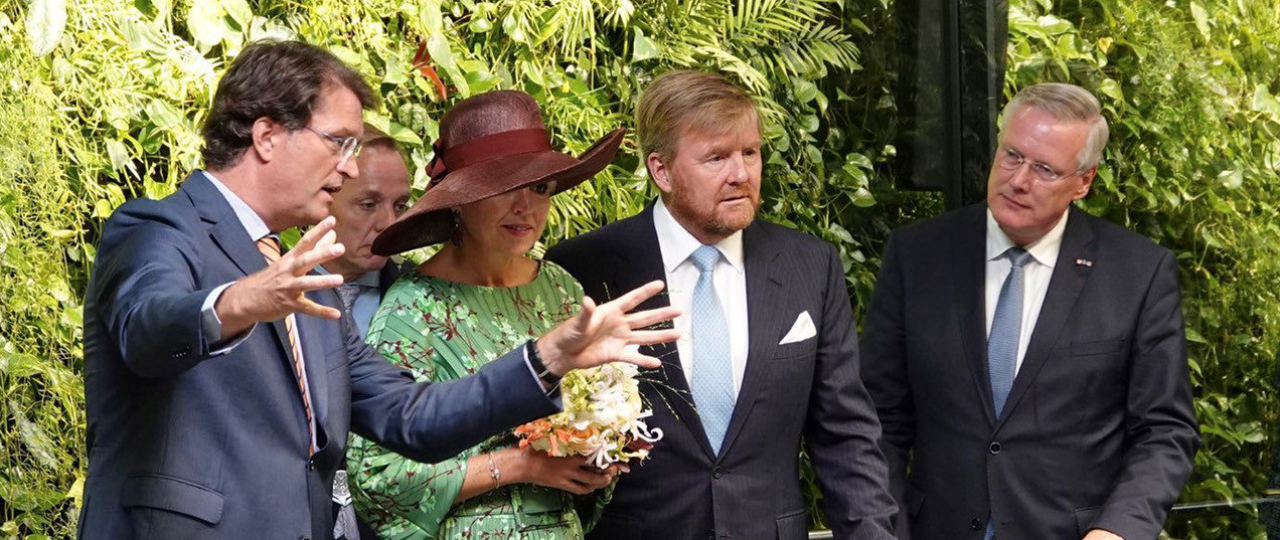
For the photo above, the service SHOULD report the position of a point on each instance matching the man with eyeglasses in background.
(221, 377)
(1028, 360)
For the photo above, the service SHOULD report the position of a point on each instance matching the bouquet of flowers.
(603, 415)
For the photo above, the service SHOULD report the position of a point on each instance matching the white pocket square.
(803, 329)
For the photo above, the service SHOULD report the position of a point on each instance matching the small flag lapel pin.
(1084, 262)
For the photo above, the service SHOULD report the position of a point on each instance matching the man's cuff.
(211, 325)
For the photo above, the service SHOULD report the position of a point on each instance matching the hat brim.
(427, 222)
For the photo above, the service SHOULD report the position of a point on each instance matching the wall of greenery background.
(100, 101)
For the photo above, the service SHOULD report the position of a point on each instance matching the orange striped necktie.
(270, 249)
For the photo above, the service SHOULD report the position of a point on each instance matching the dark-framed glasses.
(1011, 160)
(348, 147)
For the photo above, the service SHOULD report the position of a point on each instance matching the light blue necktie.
(712, 384)
(1002, 344)
(1006, 329)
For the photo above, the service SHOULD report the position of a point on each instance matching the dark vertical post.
(949, 94)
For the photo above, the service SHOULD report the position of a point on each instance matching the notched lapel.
(969, 253)
(765, 298)
(224, 227)
(1059, 303)
(229, 235)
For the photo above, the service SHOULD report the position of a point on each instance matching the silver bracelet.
(494, 472)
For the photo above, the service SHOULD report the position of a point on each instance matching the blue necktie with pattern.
(1006, 329)
(1002, 344)
(712, 384)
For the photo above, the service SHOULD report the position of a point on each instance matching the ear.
(1086, 181)
(658, 170)
(267, 137)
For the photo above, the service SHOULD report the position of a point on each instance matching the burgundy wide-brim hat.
(489, 144)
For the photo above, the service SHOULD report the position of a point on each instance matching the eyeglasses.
(1011, 160)
(348, 147)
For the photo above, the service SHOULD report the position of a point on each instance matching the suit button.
(711, 535)
(995, 448)
(976, 524)
(717, 472)
(311, 464)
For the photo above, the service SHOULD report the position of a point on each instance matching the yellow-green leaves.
(46, 20)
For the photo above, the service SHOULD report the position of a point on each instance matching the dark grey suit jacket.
(184, 444)
(809, 389)
(1098, 430)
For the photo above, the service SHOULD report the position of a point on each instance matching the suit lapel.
(1064, 288)
(968, 253)
(637, 249)
(225, 228)
(229, 235)
(764, 301)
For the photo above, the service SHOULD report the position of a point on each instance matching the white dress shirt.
(1037, 272)
(729, 276)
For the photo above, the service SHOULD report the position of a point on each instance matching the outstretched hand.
(604, 333)
(278, 290)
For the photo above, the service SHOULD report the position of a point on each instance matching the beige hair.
(1067, 103)
(375, 138)
(688, 100)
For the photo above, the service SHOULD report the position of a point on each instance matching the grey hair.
(1067, 103)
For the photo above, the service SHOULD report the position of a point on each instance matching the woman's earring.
(456, 237)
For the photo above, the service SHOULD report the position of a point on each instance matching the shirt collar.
(677, 244)
(1044, 251)
(249, 219)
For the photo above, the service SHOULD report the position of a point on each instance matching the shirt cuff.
(211, 325)
(554, 393)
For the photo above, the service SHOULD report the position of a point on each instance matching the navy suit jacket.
(186, 444)
(1098, 429)
(808, 389)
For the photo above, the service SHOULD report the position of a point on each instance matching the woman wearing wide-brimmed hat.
(493, 176)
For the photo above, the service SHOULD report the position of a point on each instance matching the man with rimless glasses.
(1027, 359)
(221, 377)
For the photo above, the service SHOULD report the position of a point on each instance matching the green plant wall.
(101, 100)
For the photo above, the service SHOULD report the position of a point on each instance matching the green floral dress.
(442, 331)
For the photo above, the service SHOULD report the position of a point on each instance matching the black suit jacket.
(808, 389)
(1098, 429)
(187, 444)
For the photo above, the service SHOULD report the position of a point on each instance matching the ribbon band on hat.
(489, 144)
(498, 145)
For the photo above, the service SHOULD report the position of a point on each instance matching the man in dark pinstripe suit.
(769, 353)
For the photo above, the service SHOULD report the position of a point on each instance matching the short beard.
(726, 227)
(712, 225)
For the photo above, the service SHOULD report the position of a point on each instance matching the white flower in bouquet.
(603, 415)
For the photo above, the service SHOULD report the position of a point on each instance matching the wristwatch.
(549, 379)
